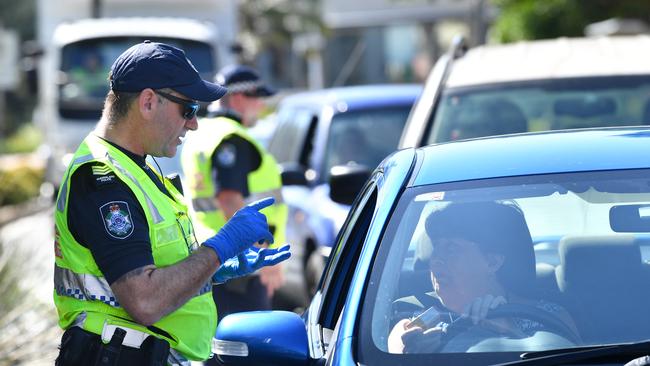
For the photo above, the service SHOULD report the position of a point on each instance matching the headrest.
(603, 262)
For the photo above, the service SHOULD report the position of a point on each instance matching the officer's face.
(172, 127)
(248, 107)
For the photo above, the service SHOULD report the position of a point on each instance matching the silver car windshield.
(364, 137)
(540, 105)
(514, 264)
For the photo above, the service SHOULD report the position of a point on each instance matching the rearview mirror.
(630, 218)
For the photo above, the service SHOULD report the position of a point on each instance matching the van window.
(85, 65)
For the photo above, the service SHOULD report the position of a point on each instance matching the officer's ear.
(147, 103)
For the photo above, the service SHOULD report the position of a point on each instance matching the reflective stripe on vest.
(84, 286)
(157, 217)
(61, 202)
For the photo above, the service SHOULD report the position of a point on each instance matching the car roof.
(355, 97)
(535, 153)
(178, 28)
(550, 59)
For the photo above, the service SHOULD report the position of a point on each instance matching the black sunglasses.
(190, 108)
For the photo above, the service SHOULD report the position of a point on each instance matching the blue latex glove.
(245, 228)
(250, 261)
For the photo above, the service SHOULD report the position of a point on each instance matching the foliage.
(20, 184)
(19, 15)
(271, 23)
(26, 139)
(20, 174)
(532, 19)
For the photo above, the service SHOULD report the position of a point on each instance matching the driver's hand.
(477, 310)
(395, 343)
(405, 339)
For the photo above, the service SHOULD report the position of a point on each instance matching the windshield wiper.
(568, 356)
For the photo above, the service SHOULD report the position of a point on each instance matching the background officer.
(128, 267)
(225, 168)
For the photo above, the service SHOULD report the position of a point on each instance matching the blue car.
(337, 133)
(519, 249)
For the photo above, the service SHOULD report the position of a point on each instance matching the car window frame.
(343, 257)
(321, 332)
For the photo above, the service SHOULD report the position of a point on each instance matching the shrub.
(26, 139)
(19, 184)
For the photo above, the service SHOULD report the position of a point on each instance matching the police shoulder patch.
(117, 219)
(227, 154)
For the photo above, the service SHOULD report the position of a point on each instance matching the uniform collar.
(228, 113)
(138, 159)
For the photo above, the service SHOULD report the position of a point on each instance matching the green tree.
(271, 23)
(533, 19)
(19, 16)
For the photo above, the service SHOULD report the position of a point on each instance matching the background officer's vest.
(263, 182)
(81, 293)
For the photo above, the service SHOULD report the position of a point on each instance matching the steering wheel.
(465, 328)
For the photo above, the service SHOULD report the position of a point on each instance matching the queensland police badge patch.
(117, 219)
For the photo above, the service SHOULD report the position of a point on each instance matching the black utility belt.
(80, 347)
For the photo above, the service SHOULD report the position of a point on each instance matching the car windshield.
(364, 137)
(541, 105)
(502, 266)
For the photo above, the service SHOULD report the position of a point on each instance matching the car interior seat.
(486, 118)
(605, 283)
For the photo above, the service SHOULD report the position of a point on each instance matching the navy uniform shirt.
(105, 217)
(233, 160)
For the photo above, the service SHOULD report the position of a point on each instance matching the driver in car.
(482, 260)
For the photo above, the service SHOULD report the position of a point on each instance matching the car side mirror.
(293, 174)
(346, 181)
(262, 338)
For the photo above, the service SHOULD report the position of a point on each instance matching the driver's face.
(460, 272)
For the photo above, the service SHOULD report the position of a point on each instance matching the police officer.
(132, 285)
(225, 167)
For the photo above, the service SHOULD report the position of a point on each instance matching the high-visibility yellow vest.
(265, 181)
(82, 295)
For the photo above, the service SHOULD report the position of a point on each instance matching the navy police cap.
(243, 79)
(158, 66)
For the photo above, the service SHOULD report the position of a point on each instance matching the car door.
(333, 310)
(327, 304)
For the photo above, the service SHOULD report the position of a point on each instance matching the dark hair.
(497, 228)
(117, 104)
